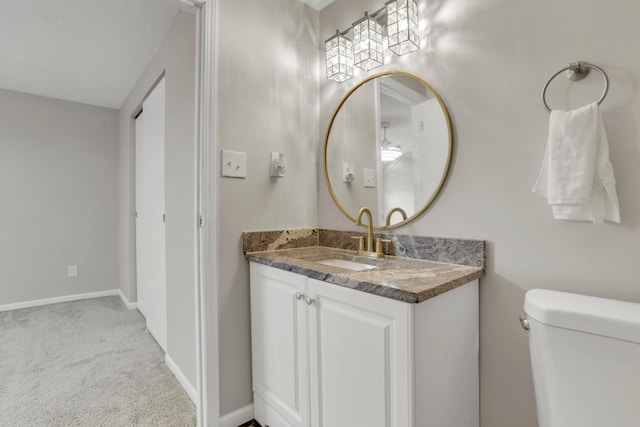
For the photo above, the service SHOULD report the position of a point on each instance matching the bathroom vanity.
(395, 344)
(343, 340)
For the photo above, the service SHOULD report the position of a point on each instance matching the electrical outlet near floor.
(72, 271)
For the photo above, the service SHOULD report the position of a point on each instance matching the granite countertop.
(403, 279)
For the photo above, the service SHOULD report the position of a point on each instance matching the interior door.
(141, 263)
(150, 214)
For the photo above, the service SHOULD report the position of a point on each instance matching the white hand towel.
(577, 176)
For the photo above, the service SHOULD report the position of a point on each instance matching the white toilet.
(585, 356)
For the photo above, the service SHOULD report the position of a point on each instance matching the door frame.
(206, 182)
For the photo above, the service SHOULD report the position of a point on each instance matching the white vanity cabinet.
(329, 356)
(279, 342)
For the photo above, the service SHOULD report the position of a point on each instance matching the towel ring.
(578, 71)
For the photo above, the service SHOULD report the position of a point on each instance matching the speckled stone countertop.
(404, 279)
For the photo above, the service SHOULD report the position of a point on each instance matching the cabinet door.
(279, 343)
(360, 358)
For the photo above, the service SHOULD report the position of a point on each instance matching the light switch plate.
(234, 164)
(369, 178)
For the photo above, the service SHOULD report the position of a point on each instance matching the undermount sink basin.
(349, 265)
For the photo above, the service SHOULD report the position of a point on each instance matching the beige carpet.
(85, 363)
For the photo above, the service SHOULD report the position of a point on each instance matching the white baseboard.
(47, 301)
(184, 382)
(238, 417)
(125, 301)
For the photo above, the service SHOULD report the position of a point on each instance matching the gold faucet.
(388, 219)
(366, 211)
(379, 253)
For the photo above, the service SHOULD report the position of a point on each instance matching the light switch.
(234, 164)
(369, 178)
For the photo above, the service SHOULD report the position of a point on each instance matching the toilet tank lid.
(601, 316)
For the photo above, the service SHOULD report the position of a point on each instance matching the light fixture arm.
(349, 29)
(375, 15)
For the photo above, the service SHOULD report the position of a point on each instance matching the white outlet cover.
(234, 164)
(72, 271)
(369, 178)
(347, 172)
(278, 159)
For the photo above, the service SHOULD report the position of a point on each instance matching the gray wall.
(58, 197)
(176, 57)
(489, 60)
(267, 101)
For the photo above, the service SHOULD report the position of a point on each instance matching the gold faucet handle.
(379, 242)
(360, 242)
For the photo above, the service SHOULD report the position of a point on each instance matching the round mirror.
(388, 148)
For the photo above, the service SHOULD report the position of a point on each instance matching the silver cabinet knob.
(299, 296)
(310, 301)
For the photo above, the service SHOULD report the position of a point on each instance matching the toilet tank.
(585, 358)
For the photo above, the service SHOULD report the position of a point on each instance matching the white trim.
(200, 366)
(125, 301)
(208, 178)
(206, 393)
(238, 417)
(182, 379)
(56, 300)
(196, 229)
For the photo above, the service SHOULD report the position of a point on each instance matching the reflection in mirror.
(388, 148)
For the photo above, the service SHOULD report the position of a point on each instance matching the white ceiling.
(318, 4)
(89, 51)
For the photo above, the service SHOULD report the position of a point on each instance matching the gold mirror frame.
(444, 173)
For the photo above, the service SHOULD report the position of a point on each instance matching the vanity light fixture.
(402, 26)
(367, 43)
(365, 50)
(388, 150)
(339, 54)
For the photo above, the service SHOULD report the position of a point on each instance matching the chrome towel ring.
(577, 71)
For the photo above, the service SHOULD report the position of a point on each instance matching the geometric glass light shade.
(339, 56)
(402, 26)
(367, 44)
